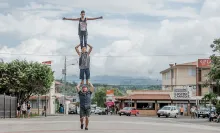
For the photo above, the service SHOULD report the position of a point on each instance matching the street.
(116, 124)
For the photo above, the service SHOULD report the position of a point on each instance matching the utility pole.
(64, 72)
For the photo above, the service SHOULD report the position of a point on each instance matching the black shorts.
(84, 72)
(85, 112)
(24, 112)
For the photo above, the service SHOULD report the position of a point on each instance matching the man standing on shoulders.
(84, 63)
(85, 103)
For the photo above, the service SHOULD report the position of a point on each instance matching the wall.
(205, 90)
(147, 112)
(204, 73)
(52, 99)
(183, 77)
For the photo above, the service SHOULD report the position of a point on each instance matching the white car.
(98, 110)
(168, 111)
(93, 110)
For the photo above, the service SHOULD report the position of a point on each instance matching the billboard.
(181, 93)
(47, 63)
(204, 62)
(109, 93)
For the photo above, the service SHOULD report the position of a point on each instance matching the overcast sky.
(140, 29)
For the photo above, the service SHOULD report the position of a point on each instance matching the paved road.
(108, 124)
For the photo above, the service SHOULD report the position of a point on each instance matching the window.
(192, 71)
(146, 106)
(167, 75)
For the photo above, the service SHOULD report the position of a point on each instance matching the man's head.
(82, 14)
(84, 89)
(84, 49)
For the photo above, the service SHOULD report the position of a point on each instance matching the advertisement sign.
(110, 93)
(181, 94)
(47, 63)
(204, 62)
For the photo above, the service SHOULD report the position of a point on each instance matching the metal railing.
(8, 106)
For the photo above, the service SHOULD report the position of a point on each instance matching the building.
(48, 100)
(192, 74)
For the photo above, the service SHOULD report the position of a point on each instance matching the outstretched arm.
(77, 50)
(90, 49)
(91, 87)
(73, 19)
(95, 18)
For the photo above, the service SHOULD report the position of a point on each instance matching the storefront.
(147, 104)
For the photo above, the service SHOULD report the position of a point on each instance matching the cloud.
(134, 47)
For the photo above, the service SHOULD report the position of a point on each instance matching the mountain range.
(118, 80)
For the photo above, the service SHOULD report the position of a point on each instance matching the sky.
(135, 38)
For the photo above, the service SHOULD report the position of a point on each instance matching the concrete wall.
(183, 77)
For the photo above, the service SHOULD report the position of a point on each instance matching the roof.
(195, 63)
(146, 97)
(188, 64)
(57, 83)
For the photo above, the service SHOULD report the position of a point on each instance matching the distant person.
(82, 29)
(181, 110)
(24, 109)
(85, 103)
(18, 110)
(28, 110)
(192, 110)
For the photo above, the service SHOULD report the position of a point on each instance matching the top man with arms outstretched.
(82, 29)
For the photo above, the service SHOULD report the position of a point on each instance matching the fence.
(8, 105)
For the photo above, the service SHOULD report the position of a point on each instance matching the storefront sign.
(110, 93)
(181, 94)
(204, 62)
(163, 101)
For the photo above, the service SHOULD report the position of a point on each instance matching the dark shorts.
(85, 112)
(84, 72)
(24, 112)
(83, 38)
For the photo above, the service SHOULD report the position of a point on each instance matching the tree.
(100, 95)
(214, 74)
(23, 79)
(211, 98)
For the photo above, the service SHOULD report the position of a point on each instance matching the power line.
(110, 56)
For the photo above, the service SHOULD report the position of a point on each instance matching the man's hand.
(101, 17)
(90, 49)
(64, 18)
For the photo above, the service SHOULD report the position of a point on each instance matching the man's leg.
(82, 115)
(81, 40)
(88, 111)
(87, 72)
(81, 75)
(85, 40)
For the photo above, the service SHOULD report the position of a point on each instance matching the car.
(102, 111)
(203, 112)
(93, 110)
(72, 111)
(98, 110)
(168, 111)
(123, 111)
(128, 111)
(132, 111)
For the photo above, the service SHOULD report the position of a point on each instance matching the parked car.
(92, 110)
(203, 112)
(132, 111)
(128, 111)
(72, 111)
(102, 111)
(123, 111)
(168, 111)
(98, 110)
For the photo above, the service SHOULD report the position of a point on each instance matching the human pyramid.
(84, 55)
